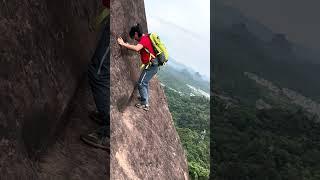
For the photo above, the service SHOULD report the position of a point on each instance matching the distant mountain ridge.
(180, 66)
(266, 108)
(183, 79)
(227, 16)
(270, 55)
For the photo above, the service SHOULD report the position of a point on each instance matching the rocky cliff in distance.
(287, 95)
(45, 47)
(144, 145)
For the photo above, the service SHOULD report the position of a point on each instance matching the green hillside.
(273, 144)
(191, 119)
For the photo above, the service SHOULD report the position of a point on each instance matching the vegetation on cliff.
(191, 118)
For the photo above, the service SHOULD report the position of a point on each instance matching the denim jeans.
(143, 82)
(99, 74)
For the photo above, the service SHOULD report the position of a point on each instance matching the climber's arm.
(137, 47)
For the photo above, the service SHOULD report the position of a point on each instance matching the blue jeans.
(99, 74)
(143, 82)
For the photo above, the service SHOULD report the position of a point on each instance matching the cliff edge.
(144, 145)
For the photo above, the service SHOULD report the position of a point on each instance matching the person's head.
(135, 32)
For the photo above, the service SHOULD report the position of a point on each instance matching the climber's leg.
(99, 77)
(99, 80)
(143, 83)
(142, 87)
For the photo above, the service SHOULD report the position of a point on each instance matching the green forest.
(269, 144)
(191, 117)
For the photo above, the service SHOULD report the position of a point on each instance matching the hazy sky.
(299, 19)
(184, 26)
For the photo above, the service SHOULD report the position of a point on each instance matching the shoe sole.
(94, 144)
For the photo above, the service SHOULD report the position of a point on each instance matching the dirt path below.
(69, 158)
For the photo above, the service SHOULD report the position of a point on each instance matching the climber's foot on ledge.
(96, 139)
(145, 107)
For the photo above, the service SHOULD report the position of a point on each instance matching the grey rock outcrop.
(286, 95)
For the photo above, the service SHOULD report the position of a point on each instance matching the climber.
(98, 73)
(148, 59)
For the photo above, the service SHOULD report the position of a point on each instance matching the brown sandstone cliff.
(45, 47)
(144, 145)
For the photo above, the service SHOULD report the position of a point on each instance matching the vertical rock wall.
(45, 46)
(145, 145)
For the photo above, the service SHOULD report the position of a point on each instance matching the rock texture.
(144, 145)
(69, 158)
(45, 47)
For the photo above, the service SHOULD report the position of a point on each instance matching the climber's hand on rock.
(120, 41)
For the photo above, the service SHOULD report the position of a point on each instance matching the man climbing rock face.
(148, 59)
(99, 80)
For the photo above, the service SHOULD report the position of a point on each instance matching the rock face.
(144, 145)
(45, 47)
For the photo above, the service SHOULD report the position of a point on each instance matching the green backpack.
(159, 48)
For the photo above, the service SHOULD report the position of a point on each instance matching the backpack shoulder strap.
(151, 55)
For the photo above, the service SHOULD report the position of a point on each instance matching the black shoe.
(97, 139)
(96, 117)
